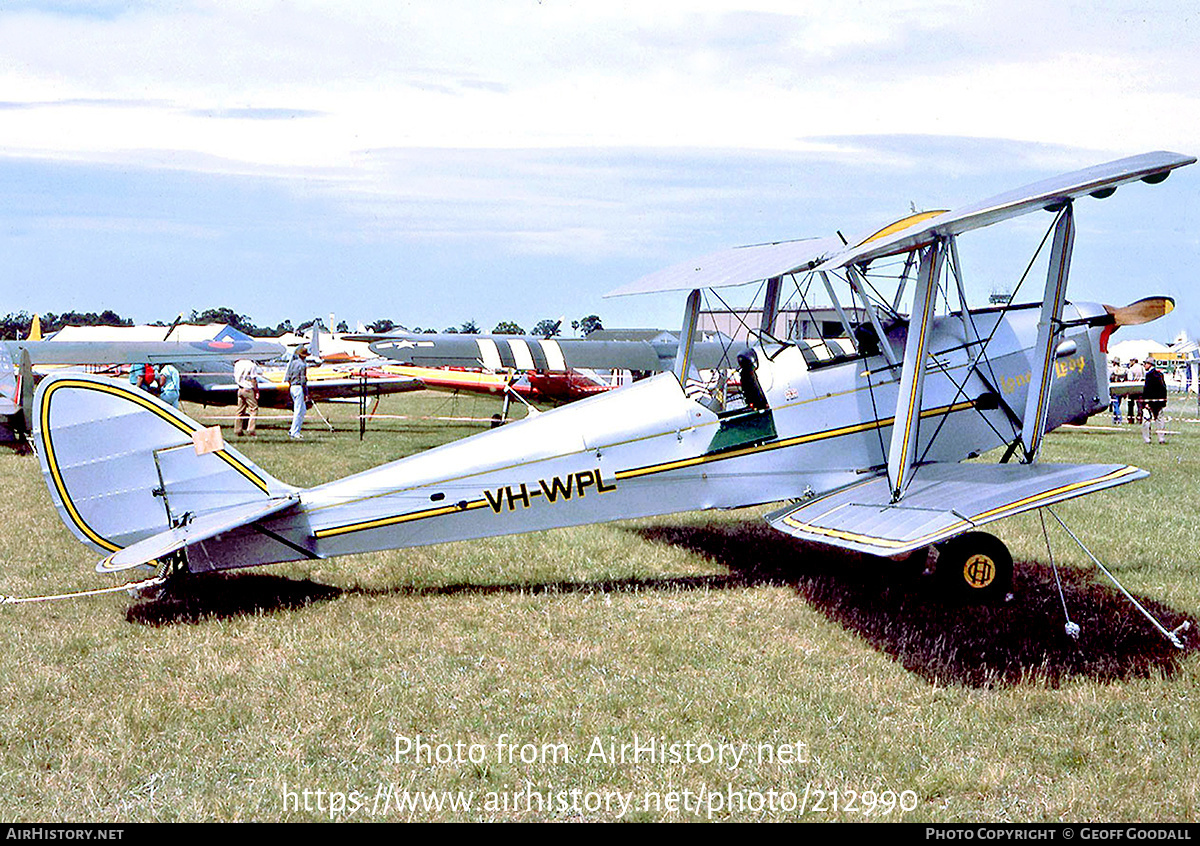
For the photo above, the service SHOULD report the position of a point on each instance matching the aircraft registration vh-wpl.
(861, 436)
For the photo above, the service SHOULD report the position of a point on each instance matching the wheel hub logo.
(979, 571)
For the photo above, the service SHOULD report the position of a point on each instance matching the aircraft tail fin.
(35, 329)
(25, 388)
(314, 348)
(123, 466)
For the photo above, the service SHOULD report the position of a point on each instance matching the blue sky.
(437, 162)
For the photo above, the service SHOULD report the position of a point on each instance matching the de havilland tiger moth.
(867, 438)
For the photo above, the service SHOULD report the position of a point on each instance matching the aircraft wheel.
(976, 567)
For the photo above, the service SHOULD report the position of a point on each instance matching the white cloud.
(203, 78)
(538, 129)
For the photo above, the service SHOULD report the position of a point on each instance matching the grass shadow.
(216, 596)
(892, 606)
(897, 609)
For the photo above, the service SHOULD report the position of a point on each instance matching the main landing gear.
(975, 567)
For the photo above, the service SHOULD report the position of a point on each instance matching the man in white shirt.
(245, 375)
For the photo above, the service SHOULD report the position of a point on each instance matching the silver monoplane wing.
(229, 344)
(943, 500)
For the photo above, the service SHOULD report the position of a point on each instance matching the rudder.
(123, 466)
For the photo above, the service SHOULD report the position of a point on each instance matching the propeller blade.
(1142, 311)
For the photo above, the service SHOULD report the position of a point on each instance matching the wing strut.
(861, 292)
(770, 312)
(841, 313)
(687, 336)
(912, 374)
(1037, 402)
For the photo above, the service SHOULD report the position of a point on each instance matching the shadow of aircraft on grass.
(892, 606)
(220, 596)
(895, 608)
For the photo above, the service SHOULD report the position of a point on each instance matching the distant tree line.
(16, 326)
(240, 322)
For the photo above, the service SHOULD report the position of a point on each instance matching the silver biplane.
(866, 437)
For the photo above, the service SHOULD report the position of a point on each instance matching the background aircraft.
(223, 348)
(227, 345)
(211, 383)
(526, 353)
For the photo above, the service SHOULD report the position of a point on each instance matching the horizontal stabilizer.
(210, 525)
(943, 500)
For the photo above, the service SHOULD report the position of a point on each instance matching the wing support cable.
(1072, 629)
(959, 393)
(972, 338)
(992, 381)
(740, 316)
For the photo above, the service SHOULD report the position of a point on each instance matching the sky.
(444, 161)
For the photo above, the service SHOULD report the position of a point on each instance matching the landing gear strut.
(169, 573)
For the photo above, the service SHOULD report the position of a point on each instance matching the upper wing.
(745, 265)
(738, 266)
(942, 501)
(1098, 181)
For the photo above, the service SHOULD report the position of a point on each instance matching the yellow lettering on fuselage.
(1062, 368)
(1070, 365)
(553, 490)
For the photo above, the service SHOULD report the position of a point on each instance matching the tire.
(975, 567)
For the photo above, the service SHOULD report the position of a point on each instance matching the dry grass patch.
(706, 629)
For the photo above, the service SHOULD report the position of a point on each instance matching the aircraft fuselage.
(647, 449)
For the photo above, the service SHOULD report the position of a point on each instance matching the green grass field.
(747, 676)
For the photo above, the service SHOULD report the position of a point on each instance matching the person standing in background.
(297, 379)
(1135, 373)
(1155, 397)
(245, 376)
(168, 384)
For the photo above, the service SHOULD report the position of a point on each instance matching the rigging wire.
(982, 355)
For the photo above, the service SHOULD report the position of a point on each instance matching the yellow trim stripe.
(640, 471)
(399, 518)
(990, 514)
(902, 224)
(127, 394)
